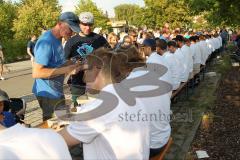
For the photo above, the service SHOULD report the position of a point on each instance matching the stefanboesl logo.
(125, 90)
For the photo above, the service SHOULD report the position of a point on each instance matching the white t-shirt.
(18, 142)
(210, 45)
(158, 108)
(181, 58)
(174, 67)
(205, 51)
(188, 57)
(216, 43)
(118, 134)
(157, 59)
(196, 53)
(220, 40)
(202, 50)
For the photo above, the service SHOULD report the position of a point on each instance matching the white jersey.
(181, 58)
(210, 45)
(157, 106)
(18, 142)
(188, 57)
(120, 133)
(174, 67)
(197, 55)
(205, 51)
(157, 59)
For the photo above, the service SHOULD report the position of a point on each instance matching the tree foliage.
(100, 19)
(155, 13)
(174, 12)
(220, 12)
(7, 14)
(33, 15)
(129, 12)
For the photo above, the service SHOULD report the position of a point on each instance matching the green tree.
(7, 15)
(129, 12)
(175, 12)
(100, 19)
(225, 12)
(219, 12)
(33, 15)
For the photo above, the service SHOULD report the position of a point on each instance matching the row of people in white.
(183, 62)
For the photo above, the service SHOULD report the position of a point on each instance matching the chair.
(166, 148)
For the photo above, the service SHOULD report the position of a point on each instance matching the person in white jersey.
(196, 55)
(108, 127)
(153, 93)
(188, 44)
(154, 58)
(172, 48)
(187, 55)
(19, 142)
(173, 63)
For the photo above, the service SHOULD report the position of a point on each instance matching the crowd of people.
(131, 75)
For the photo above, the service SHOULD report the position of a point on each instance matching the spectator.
(224, 36)
(7, 119)
(113, 41)
(133, 35)
(1, 63)
(50, 65)
(80, 46)
(30, 47)
(127, 41)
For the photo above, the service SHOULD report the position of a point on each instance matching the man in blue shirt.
(30, 47)
(50, 66)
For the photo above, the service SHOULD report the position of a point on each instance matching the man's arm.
(29, 49)
(29, 52)
(39, 71)
(71, 141)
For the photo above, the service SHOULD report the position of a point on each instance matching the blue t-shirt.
(49, 52)
(31, 45)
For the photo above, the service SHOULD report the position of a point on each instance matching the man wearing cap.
(80, 46)
(49, 66)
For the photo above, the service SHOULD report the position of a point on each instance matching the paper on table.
(202, 154)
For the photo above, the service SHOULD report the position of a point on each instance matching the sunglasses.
(87, 24)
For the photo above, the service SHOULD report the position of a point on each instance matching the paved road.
(18, 83)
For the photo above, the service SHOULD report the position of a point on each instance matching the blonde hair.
(111, 35)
